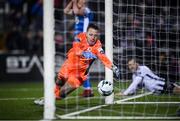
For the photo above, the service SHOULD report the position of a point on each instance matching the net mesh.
(145, 29)
(64, 32)
(148, 30)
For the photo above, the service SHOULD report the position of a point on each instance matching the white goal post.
(109, 44)
(49, 60)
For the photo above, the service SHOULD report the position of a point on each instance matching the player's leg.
(172, 88)
(70, 85)
(66, 89)
(61, 79)
(59, 83)
(159, 87)
(88, 92)
(176, 89)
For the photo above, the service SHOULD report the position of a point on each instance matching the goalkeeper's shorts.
(72, 80)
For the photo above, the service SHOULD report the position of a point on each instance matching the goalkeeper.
(83, 16)
(86, 48)
(144, 77)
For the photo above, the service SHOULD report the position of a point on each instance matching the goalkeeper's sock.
(57, 92)
(87, 84)
(87, 93)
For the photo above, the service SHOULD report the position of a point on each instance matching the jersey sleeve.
(88, 13)
(133, 86)
(103, 58)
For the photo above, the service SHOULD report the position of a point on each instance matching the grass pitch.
(16, 103)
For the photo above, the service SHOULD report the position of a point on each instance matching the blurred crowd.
(21, 23)
(22, 26)
(150, 23)
(140, 25)
(153, 29)
(21, 29)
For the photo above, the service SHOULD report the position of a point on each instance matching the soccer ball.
(105, 88)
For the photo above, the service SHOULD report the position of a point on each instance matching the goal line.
(119, 117)
(148, 103)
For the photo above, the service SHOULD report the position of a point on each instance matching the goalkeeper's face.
(132, 65)
(92, 36)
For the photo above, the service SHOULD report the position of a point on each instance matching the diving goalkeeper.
(86, 48)
(143, 77)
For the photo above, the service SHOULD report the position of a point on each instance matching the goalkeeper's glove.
(116, 71)
(88, 55)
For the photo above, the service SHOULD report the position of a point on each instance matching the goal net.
(145, 29)
(148, 30)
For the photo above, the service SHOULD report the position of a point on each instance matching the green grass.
(16, 103)
(13, 102)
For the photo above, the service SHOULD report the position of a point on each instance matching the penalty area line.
(28, 98)
(100, 106)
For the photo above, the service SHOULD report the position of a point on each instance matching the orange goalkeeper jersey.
(76, 64)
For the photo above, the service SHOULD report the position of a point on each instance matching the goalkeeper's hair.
(93, 26)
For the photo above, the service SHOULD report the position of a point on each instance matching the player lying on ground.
(144, 77)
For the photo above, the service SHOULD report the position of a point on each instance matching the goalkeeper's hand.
(88, 55)
(116, 71)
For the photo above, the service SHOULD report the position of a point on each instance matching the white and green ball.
(105, 88)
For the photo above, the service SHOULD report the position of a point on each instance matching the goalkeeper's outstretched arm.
(104, 59)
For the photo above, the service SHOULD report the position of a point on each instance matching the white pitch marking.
(121, 117)
(133, 97)
(100, 106)
(20, 90)
(28, 98)
(148, 103)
